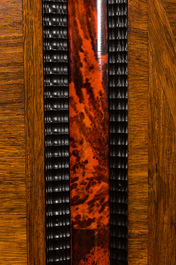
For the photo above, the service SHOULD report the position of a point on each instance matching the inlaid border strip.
(34, 128)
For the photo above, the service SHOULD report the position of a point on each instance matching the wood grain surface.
(13, 242)
(34, 126)
(162, 132)
(22, 189)
(138, 132)
(152, 121)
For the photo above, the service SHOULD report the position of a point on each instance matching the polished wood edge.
(34, 124)
(138, 86)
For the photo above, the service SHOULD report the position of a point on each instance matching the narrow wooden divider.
(138, 85)
(34, 125)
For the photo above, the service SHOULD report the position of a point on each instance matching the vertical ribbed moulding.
(56, 80)
(118, 113)
(56, 132)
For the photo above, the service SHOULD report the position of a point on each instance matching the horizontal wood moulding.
(150, 136)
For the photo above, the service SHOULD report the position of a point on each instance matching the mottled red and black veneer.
(89, 131)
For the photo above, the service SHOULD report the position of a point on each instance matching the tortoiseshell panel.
(89, 130)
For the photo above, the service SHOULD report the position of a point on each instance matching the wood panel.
(162, 121)
(21, 113)
(13, 244)
(152, 120)
(34, 125)
(138, 132)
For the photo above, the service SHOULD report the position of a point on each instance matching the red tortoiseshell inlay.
(90, 247)
(89, 131)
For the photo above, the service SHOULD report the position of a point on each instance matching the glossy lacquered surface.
(89, 129)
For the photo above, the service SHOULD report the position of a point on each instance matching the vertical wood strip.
(138, 132)
(13, 245)
(34, 122)
(162, 132)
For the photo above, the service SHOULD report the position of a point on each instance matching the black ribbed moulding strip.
(118, 112)
(56, 132)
